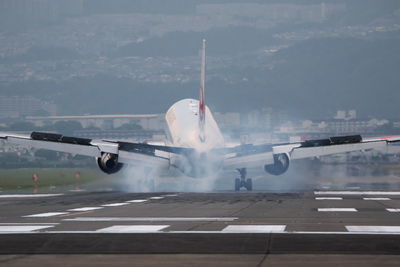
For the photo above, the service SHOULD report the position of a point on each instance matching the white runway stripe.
(376, 229)
(376, 198)
(136, 201)
(220, 232)
(254, 228)
(393, 210)
(154, 198)
(328, 198)
(30, 195)
(133, 229)
(47, 214)
(170, 195)
(379, 193)
(86, 209)
(29, 223)
(22, 228)
(115, 204)
(337, 210)
(152, 219)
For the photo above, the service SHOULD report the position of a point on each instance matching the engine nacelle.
(108, 163)
(280, 166)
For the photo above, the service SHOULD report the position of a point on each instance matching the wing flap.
(130, 153)
(252, 156)
(91, 151)
(60, 138)
(307, 152)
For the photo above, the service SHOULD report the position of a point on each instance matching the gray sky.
(305, 57)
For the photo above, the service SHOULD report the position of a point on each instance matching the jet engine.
(280, 166)
(108, 163)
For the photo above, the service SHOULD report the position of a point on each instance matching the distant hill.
(225, 41)
(310, 79)
(39, 53)
(340, 73)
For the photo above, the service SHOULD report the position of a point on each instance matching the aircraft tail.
(202, 106)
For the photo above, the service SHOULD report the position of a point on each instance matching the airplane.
(196, 146)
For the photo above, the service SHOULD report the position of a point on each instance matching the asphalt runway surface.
(354, 226)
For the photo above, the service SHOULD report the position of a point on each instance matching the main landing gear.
(242, 181)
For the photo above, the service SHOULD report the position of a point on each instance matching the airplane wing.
(248, 156)
(131, 153)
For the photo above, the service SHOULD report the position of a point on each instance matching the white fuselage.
(183, 128)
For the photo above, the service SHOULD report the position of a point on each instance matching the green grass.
(48, 177)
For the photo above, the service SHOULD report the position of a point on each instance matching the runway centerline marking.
(376, 198)
(133, 229)
(379, 193)
(137, 201)
(22, 228)
(29, 223)
(337, 210)
(153, 219)
(115, 204)
(254, 229)
(86, 209)
(77, 213)
(30, 195)
(373, 228)
(393, 210)
(46, 214)
(155, 198)
(328, 198)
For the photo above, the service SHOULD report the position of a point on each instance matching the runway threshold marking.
(376, 198)
(133, 229)
(86, 209)
(115, 204)
(328, 198)
(337, 210)
(77, 213)
(22, 228)
(373, 228)
(379, 193)
(155, 198)
(46, 214)
(254, 229)
(29, 195)
(260, 223)
(153, 219)
(393, 210)
(137, 201)
(29, 223)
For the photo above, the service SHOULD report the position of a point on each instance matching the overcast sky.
(308, 58)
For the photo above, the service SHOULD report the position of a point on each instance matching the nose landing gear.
(242, 181)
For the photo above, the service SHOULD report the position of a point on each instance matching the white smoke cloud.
(141, 179)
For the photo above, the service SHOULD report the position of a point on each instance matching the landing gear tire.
(242, 181)
(237, 184)
(249, 185)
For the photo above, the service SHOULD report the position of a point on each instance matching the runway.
(362, 222)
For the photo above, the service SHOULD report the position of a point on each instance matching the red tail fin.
(202, 106)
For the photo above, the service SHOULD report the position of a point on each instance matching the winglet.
(202, 107)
